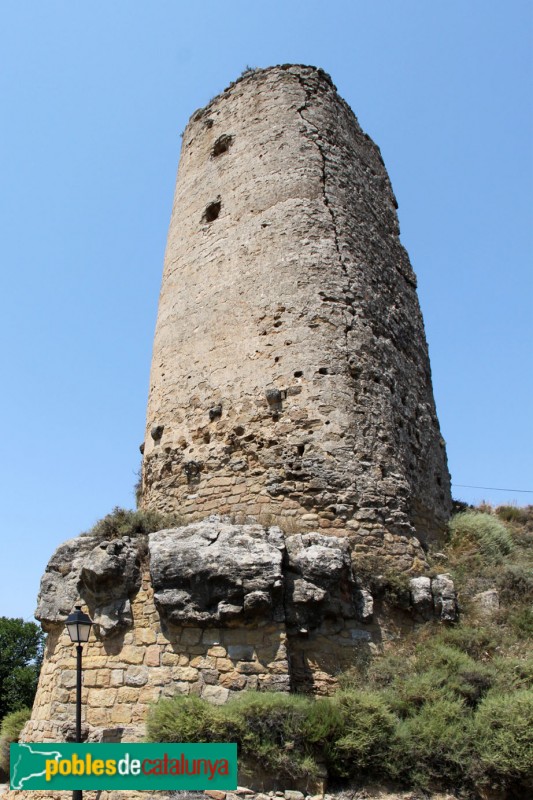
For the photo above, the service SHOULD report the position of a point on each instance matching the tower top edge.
(254, 74)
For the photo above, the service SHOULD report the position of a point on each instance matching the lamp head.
(78, 625)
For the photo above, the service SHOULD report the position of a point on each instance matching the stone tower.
(290, 374)
(290, 391)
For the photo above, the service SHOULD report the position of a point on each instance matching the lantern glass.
(78, 625)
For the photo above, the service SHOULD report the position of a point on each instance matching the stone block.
(136, 676)
(170, 659)
(102, 697)
(103, 677)
(215, 694)
(67, 678)
(131, 654)
(217, 651)
(139, 712)
(116, 677)
(224, 664)
(101, 717)
(122, 714)
(278, 667)
(161, 676)
(185, 674)
(152, 656)
(203, 662)
(250, 667)
(144, 636)
(487, 603)
(149, 694)
(128, 694)
(89, 678)
(232, 680)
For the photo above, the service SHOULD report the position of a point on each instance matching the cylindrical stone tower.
(290, 378)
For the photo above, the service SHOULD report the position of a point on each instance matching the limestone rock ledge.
(206, 574)
(218, 574)
(211, 609)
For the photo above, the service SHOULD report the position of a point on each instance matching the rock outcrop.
(216, 573)
(105, 573)
(210, 608)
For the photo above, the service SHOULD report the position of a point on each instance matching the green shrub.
(359, 744)
(323, 723)
(10, 729)
(471, 531)
(268, 727)
(521, 622)
(513, 673)
(289, 735)
(125, 522)
(515, 583)
(388, 668)
(437, 672)
(433, 746)
(512, 514)
(183, 719)
(477, 642)
(503, 735)
(458, 672)
(408, 695)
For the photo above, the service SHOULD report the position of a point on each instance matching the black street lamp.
(79, 627)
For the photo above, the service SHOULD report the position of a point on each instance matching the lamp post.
(78, 625)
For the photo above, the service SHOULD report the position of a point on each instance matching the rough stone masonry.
(290, 375)
(291, 425)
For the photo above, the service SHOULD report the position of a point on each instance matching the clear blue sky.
(93, 99)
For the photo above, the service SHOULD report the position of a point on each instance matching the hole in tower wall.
(222, 145)
(298, 373)
(212, 211)
(323, 371)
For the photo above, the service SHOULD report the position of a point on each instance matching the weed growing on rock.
(125, 522)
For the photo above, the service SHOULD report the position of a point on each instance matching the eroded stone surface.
(212, 573)
(319, 581)
(103, 574)
(434, 597)
(487, 603)
(59, 590)
(290, 374)
(421, 596)
(444, 597)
